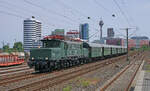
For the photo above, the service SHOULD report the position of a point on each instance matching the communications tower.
(101, 23)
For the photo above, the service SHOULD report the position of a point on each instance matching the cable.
(134, 32)
(93, 34)
(122, 12)
(48, 10)
(126, 17)
(130, 17)
(26, 12)
(78, 12)
(22, 9)
(67, 6)
(15, 10)
(100, 5)
(11, 14)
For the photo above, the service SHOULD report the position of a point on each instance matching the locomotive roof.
(89, 44)
(72, 42)
(68, 42)
(103, 45)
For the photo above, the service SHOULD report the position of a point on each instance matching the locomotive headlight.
(46, 58)
(32, 58)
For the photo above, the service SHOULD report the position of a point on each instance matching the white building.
(32, 34)
(73, 34)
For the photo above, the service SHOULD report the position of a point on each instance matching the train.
(12, 59)
(59, 54)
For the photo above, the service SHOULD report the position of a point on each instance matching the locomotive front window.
(51, 44)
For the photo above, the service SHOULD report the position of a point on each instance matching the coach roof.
(102, 45)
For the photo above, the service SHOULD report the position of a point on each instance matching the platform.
(143, 81)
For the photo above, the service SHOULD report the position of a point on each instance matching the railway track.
(115, 84)
(12, 67)
(29, 74)
(6, 79)
(14, 70)
(52, 81)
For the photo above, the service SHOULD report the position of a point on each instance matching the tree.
(6, 48)
(18, 47)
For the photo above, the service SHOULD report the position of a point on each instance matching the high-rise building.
(32, 34)
(59, 32)
(80, 31)
(84, 31)
(110, 33)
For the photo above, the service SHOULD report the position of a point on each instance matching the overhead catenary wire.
(103, 7)
(12, 14)
(17, 15)
(14, 10)
(93, 35)
(15, 6)
(122, 12)
(28, 12)
(75, 10)
(66, 6)
(130, 17)
(22, 10)
(127, 11)
(50, 11)
(125, 16)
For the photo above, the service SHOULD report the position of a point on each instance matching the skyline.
(75, 12)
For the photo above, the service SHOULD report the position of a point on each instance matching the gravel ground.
(21, 83)
(122, 82)
(93, 80)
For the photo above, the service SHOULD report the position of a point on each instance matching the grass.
(148, 68)
(148, 71)
(85, 82)
(67, 88)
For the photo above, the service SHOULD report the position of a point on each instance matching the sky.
(68, 14)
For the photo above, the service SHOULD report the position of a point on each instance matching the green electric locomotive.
(59, 54)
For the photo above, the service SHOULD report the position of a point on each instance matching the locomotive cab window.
(51, 44)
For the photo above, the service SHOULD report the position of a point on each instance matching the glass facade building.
(84, 31)
(32, 34)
